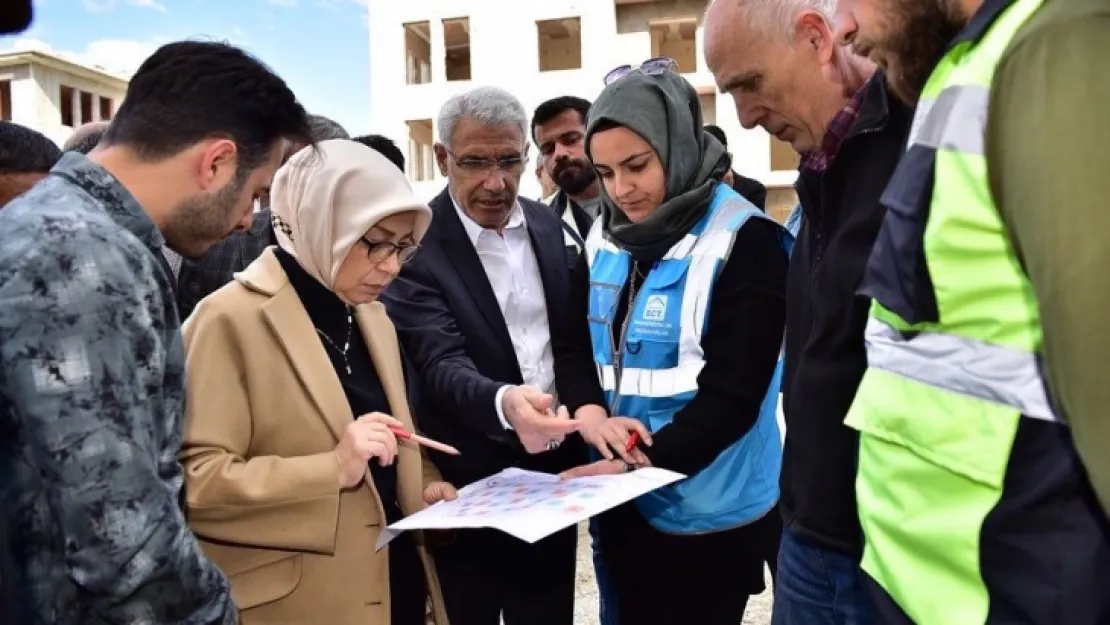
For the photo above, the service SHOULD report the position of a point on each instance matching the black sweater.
(825, 355)
(741, 343)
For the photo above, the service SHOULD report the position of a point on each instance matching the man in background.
(786, 73)
(92, 369)
(547, 185)
(386, 147)
(85, 137)
(752, 189)
(559, 130)
(26, 156)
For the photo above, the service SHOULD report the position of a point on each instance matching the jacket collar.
(981, 22)
(296, 335)
(874, 106)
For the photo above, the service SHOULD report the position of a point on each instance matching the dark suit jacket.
(197, 280)
(452, 328)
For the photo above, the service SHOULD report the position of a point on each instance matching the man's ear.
(813, 33)
(441, 158)
(217, 163)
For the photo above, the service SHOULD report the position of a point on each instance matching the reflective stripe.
(653, 382)
(961, 365)
(956, 121)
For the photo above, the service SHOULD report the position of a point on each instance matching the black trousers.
(487, 575)
(668, 579)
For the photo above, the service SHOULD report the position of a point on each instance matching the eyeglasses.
(380, 251)
(476, 166)
(651, 67)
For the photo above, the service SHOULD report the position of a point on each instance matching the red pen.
(422, 440)
(632, 442)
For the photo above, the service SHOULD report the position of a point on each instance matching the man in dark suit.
(752, 189)
(481, 313)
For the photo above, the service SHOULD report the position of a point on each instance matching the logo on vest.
(655, 309)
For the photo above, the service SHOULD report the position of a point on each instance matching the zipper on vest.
(618, 347)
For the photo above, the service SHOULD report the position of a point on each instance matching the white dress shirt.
(514, 275)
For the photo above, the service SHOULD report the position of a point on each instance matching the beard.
(918, 33)
(573, 175)
(203, 220)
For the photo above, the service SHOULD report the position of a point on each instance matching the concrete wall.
(505, 53)
(36, 97)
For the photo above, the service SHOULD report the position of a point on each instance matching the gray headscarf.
(665, 111)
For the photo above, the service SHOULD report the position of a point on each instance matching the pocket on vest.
(962, 434)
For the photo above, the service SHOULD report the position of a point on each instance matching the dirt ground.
(585, 601)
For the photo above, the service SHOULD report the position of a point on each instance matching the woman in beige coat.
(292, 466)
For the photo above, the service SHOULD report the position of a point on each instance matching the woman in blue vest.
(686, 311)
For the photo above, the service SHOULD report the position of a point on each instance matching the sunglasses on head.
(650, 67)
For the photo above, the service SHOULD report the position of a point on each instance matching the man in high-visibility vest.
(990, 295)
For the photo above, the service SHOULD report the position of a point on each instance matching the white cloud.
(148, 4)
(100, 6)
(120, 56)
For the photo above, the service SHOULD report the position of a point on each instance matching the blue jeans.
(607, 601)
(819, 587)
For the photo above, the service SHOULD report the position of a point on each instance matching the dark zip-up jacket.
(825, 357)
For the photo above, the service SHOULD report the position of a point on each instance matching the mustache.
(495, 197)
(562, 165)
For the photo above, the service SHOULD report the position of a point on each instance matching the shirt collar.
(837, 130)
(473, 230)
(113, 197)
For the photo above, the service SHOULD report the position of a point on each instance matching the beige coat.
(265, 411)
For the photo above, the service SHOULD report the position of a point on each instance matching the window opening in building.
(66, 105)
(560, 44)
(421, 160)
(418, 53)
(456, 43)
(105, 108)
(86, 107)
(676, 39)
(6, 100)
(783, 157)
(708, 102)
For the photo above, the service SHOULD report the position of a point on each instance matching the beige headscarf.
(323, 201)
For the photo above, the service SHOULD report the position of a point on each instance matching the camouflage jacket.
(91, 414)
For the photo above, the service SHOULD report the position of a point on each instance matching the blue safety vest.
(658, 372)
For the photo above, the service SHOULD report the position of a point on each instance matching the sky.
(319, 47)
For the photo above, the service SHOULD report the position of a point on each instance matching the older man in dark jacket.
(837, 112)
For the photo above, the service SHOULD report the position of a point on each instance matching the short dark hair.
(26, 151)
(386, 147)
(188, 91)
(717, 133)
(556, 106)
